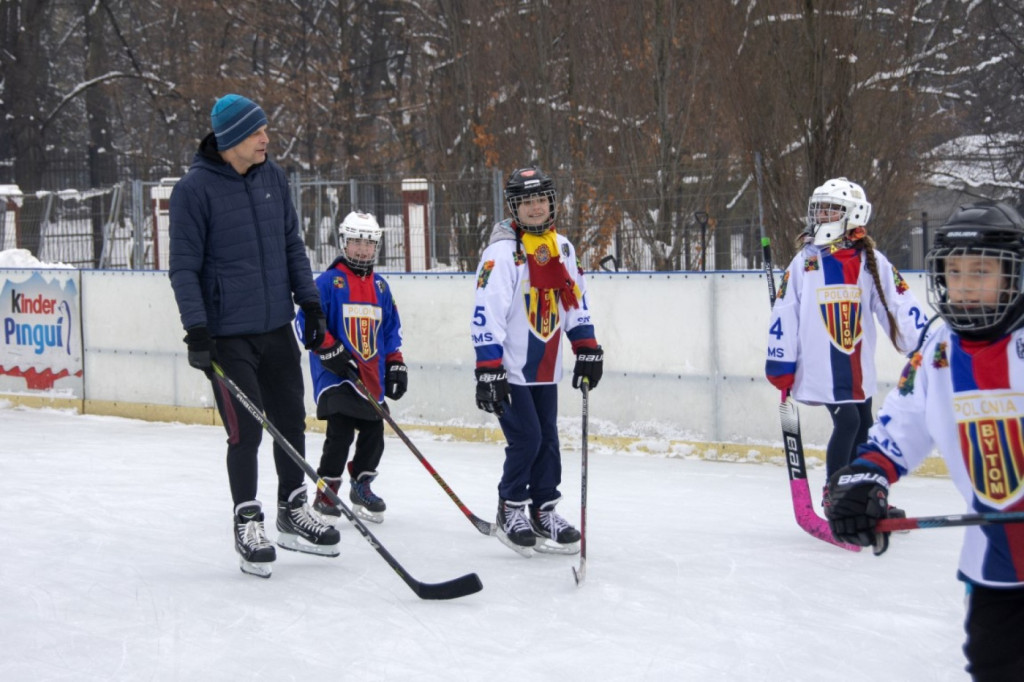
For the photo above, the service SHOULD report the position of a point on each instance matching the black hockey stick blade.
(452, 589)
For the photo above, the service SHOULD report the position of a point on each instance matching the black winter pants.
(994, 625)
(266, 367)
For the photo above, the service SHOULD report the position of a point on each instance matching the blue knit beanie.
(235, 118)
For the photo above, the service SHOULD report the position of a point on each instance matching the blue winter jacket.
(237, 255)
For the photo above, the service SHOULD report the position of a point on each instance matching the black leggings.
(850, 424)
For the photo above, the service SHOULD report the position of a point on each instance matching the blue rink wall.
(683, 372)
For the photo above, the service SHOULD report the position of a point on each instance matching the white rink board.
(684, 352)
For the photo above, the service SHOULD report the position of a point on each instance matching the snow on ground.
(120, 566)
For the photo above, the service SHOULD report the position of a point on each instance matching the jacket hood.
(502, 231)
(208, 156)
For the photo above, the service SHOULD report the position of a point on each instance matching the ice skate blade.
(518, 549)
(294, 543)
(367, 515)
(260, 570)
(546, 546)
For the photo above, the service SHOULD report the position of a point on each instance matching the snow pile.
(23, 259)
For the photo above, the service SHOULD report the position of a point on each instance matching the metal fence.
(429, 224)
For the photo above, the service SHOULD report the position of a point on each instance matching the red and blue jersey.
(967, 399)
(822, 336)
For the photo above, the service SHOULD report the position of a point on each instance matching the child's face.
(975, 280)
(828, 213)
(534, 210)
(360, 249)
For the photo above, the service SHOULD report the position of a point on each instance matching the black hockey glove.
(338, 360)
(858, 498)
(314, 328)
(202, 352)
(589, 365)
(492, 389)
(396, 381)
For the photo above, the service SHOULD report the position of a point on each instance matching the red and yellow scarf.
(547, 272)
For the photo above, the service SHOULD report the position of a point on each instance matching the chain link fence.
(429, 224)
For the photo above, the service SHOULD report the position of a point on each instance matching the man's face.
(249, 152)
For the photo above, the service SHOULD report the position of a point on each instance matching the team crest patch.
(338, 282)
(565, 251)
(381, 286)
(361, 321)
(783, 285)
(905, 386)
(840, 313)
(901, 284)
(812, 264)
(1020, 348)
(520, 258)
(940, 359)
(485, 274)
(542, 256)
(993, 449)
(542, 312)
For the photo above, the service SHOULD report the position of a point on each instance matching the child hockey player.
(364, 336)
(821, 344)
(963, 392)
(529, 288)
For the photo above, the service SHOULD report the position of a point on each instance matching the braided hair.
(867, 245)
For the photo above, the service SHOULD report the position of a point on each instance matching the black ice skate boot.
(554, 534)
(514, 528)
(300, 531)
(255, 553)
(365, 503)
(322, 504)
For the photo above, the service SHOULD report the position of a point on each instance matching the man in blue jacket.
(238, 267)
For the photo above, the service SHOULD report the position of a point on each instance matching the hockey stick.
(796, 465)
(451, 589)
(581, 574)
(478, 523)
(949, 521)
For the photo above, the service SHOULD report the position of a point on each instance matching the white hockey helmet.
(835, 208)
(361, 226)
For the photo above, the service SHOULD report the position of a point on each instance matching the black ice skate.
(300, 531)
(322, 504)
(365, 503)
(514, 528)
(255, 553)
(554, 534)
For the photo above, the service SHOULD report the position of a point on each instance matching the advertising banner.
(40, 331)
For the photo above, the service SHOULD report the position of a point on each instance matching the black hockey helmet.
(985, 230)
(528, 182)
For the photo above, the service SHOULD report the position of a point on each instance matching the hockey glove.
(492, 389)
(338, 360)
(396, 381)
(589, 365)
(314, 328)
(201, 350)
(859, 497)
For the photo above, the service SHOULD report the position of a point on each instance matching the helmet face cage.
(982, 306)
(359, 226)
(524, 184)
(834, 208)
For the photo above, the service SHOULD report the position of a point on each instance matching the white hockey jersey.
(967, 399)
(819, 341)
(511, 325)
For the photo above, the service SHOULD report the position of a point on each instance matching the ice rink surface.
(119, 565)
